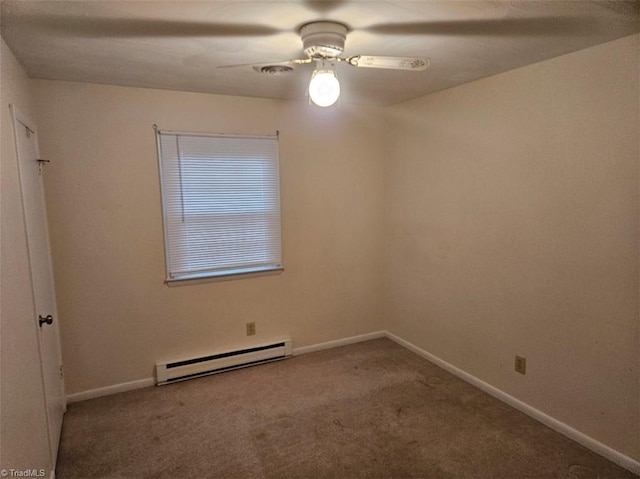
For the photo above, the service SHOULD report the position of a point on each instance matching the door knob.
(47, 319)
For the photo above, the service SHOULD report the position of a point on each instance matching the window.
(221, 204)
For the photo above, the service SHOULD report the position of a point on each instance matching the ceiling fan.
(323, 43)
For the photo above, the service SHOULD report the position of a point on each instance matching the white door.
(46, 317)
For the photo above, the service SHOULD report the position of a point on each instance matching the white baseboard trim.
(108, 390)
(339, 342)
(558, 426)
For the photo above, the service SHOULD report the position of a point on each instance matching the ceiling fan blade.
(390, 63)
(295, 61)
(526, 26)
(102, 27)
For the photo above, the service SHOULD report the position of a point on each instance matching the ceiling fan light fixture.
(324, 87)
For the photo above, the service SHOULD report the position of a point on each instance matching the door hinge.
(61, 371)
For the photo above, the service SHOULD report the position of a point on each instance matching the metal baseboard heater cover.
(217, 363)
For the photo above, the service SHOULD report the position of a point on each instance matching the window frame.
(230, 273)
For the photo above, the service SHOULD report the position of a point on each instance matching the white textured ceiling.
(178, 44)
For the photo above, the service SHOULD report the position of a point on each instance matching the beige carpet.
(371, 410)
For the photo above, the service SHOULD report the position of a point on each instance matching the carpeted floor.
(371, 410)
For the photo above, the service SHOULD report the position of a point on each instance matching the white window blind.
(221, 204)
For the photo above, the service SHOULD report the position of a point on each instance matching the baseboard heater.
(216, 363)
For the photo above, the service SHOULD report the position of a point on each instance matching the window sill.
(225, 276)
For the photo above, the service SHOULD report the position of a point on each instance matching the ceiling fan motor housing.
(323, 39)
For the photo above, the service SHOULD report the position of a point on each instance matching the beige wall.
(512, 212)
(23, 434)
(117, 317)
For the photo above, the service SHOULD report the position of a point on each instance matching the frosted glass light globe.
(324, 88)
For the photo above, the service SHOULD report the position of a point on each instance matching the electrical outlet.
(521, 365)
(251, 329)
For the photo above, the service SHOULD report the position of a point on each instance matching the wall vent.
(216, 363)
